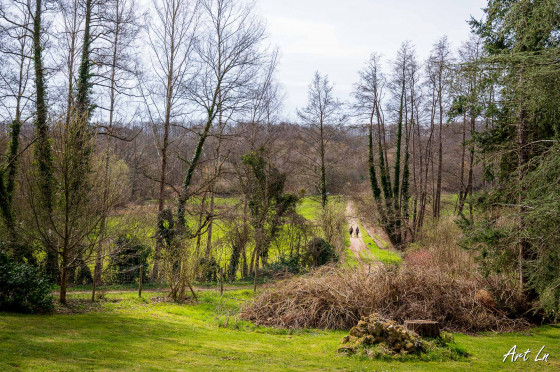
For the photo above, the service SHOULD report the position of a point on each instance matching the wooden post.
(140, 282)
(221, 281)
(93, 289)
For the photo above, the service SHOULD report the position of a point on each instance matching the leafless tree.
(171, 35)
(15, 96)
(321, 117)
(439, 73)
(469, 98)
(228, 52)
(121, 19)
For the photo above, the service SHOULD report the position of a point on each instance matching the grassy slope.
(310, 208)
(137, 335)
(374, 252)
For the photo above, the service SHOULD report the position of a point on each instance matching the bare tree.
(439, 64)
(321, 117)
(468, 104)
(171, 36)
(122, 23)
(15, 94)
(368, 95)
(228, 53)
(391, 194)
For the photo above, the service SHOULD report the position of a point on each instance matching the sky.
(336, 37)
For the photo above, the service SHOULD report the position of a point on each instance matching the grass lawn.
(127, 333)
(310, 208)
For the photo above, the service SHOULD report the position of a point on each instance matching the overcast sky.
(337, 36)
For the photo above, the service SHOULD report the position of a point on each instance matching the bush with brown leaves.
(336, 298)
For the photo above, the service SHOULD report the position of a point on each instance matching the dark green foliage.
(13, 149)
(208, 270)
(319, 252)
(85, 84)
(50, 266)
(22, 288)
(185, 192)
(371, 165)
(285, 265)
(124, 264)
(519, 231)
(495, 250)
(43, 155)
(519, 25)
(542, 221)
(238, 239)
(166, 227)
(392, 206)
(82, 274)
(7, 187)
(268, 203)
(43, 158)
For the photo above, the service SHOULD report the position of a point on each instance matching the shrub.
(319, 252)
(439, 247)
(208, 270)
(82, 274)
(279, 269)
(22, 288)
(334, 224)
(336, 298)
(124, 265)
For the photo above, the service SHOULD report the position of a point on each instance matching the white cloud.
(336, 37)
(299, 36)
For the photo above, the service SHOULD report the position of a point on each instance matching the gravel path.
(357, 244)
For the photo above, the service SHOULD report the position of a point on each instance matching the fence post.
(140, 282)
(221, 281)
(93, 288)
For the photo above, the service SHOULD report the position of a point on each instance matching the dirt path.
(357, 244)
(145, 290)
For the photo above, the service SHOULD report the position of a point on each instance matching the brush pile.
(335, 298)
(385, 334)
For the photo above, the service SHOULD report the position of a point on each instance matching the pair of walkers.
(357, 231)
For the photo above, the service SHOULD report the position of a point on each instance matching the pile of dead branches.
(336, 298)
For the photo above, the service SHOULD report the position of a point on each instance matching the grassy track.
(374, 252)
(137, 335)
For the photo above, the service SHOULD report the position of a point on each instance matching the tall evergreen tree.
(522, 40)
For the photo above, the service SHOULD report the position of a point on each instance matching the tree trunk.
(323, 170)
(437, 200)
(462, 191)
(63, 277)
(524, 245)
(210, 226)
(42, 152)
(424, 328)
(163, 170)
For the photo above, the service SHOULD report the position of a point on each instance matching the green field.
(127, 333)
(374, 252)
(310, 208)
(124, 332)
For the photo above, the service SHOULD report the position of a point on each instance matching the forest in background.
(153, 137)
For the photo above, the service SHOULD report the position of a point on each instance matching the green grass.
(374, 252)
(350, 259)
(138, 335)
(310, 208)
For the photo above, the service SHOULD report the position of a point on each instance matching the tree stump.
(424, 328)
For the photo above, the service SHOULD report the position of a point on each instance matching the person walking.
(357, 232)
(351, 231)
